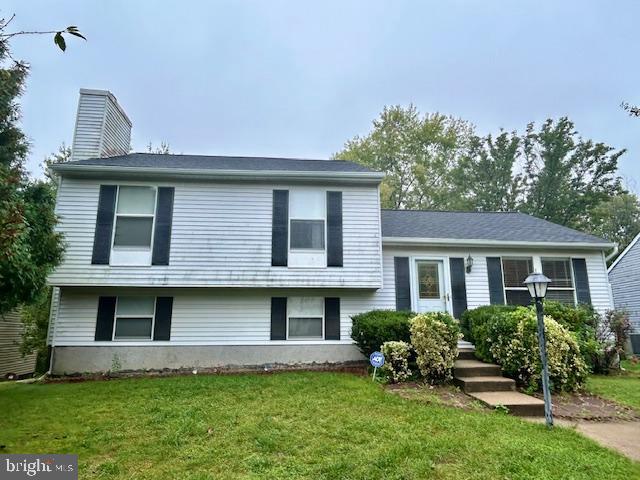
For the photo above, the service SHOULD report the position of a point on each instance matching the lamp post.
(537, 284)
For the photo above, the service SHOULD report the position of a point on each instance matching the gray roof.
(492, 226)
(213, 162)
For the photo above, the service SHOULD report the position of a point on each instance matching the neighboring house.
(185, 261)
(624, 275)
(12, 363)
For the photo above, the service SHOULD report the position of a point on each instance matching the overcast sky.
(292, 78)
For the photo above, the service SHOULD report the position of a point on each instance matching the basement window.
(305, 318)
(134, 318)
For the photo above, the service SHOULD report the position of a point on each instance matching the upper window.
(134, 217)
(307, 227)
(305, 318)
(134, 318)
(561, 287)
(515, 271)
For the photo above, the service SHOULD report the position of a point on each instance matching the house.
(12, 363)
(187, 261)
(624, 276)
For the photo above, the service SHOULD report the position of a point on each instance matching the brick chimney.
(102, 128)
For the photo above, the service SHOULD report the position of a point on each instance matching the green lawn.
(623, 388)
(293, 425)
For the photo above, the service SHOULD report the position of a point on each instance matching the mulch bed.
(448, 395)
(588, 407)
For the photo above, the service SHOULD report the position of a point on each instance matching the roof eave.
(417, 241)
(209, 174)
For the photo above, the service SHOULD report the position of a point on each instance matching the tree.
(416, 152)
(29, 246)
(163, 148)
(616, 219)
(62, 155)
(58, 35)
(486, 176)
(565, 175)
(632, 110)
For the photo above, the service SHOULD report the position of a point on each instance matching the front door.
(431, 291)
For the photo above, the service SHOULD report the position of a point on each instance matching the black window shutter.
(106, 315)
(278, 318)
(280, 228)
(494, 274)
(334, 229)
(581, 278)
(104, 225)
(162, 233)
(403, 283)
(332, 318)
(458, 286)
(162, 323)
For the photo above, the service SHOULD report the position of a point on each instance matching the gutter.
(448, 242)
(208, 174)
(613, 253)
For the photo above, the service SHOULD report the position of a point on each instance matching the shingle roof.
(210, 162)
(492, 226)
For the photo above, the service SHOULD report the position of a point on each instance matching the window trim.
(573, 277)
(322, 320)
(133, 339)
(134, 215)
(504, 285)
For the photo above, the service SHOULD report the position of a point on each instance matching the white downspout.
(613, 253)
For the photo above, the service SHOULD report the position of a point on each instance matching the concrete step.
(466, 354)
(475, 368)
(485, 384)
(518, 403)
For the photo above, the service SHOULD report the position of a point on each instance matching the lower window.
(305, 318)
(134, 318)
(561, 288)
(515, 271)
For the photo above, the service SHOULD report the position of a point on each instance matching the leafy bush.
(371, 329)
(512, 342)
(575, 319)
(480, 316)
(434, 337)
(396, 365)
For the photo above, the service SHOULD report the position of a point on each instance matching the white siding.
(11, 359)
(476, 281)
(203, 316)
(102, 129)
(625, 284)
(221, 236)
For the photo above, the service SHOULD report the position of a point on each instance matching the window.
(515, 271)
(307, 227)
(561, 288)
(134, 318)
(307, 234)
(429, 280)
(134, 217)
(305, 318)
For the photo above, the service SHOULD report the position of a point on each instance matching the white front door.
(430, 286)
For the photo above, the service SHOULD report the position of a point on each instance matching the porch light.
(537, 284)
(468, 263)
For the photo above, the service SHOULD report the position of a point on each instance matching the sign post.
(377, 360)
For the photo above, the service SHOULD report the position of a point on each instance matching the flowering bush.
(512, 341)
(434, 337)
(396, 365)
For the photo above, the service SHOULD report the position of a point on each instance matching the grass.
(624, 388)
(291, 425)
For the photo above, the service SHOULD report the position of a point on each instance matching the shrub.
(371, 329)
(575, 319)
(396, 365)
(480, 316)
(512, 341)
(434, 337)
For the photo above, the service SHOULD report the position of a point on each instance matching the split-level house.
(187, 261)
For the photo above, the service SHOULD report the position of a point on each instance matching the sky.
(298, 79)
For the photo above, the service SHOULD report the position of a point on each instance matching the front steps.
(484, 382)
